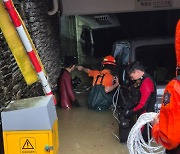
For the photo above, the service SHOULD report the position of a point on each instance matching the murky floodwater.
(84, 131)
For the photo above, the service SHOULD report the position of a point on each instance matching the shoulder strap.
(102, 76)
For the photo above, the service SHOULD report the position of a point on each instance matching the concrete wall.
(80, 7)
(12, 83)
(68, 36)
(44, 30)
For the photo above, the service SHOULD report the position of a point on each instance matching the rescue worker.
(104, 83)
(166, 125)
(143, 91)
(145, 86)
(65, 90)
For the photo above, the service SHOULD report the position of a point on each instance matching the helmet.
(110, 60)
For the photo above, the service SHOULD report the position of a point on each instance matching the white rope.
(115, 96)
(136, 143)
(115, 101)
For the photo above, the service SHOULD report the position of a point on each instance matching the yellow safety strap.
(16, 46)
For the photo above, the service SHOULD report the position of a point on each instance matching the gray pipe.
(55, 8)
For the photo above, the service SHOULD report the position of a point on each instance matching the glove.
(75, 103)
(128, 113)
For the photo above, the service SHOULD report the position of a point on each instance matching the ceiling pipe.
(55, 8)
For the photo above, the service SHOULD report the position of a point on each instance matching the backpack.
(98, 98)
(169, 124)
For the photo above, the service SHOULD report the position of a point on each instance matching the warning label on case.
(28, 145)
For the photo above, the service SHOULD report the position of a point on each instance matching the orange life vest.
(167, 131)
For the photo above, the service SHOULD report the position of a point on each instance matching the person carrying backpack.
(142, 93)
(104, 83)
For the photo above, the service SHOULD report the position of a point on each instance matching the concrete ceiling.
(83, 7)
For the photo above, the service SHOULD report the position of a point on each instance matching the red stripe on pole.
(50, 93)
(54, 98)
(12, 13)
(34, 61)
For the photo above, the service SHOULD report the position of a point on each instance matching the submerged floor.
(84, 131)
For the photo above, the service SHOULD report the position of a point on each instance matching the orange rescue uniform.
(167, 131)
(107, 80)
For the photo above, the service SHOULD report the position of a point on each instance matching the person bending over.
(104, 83)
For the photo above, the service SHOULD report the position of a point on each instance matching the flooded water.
(84, 131)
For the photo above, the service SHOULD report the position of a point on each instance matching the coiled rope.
(136, 143)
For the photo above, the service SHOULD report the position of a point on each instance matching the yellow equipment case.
(30, 126)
